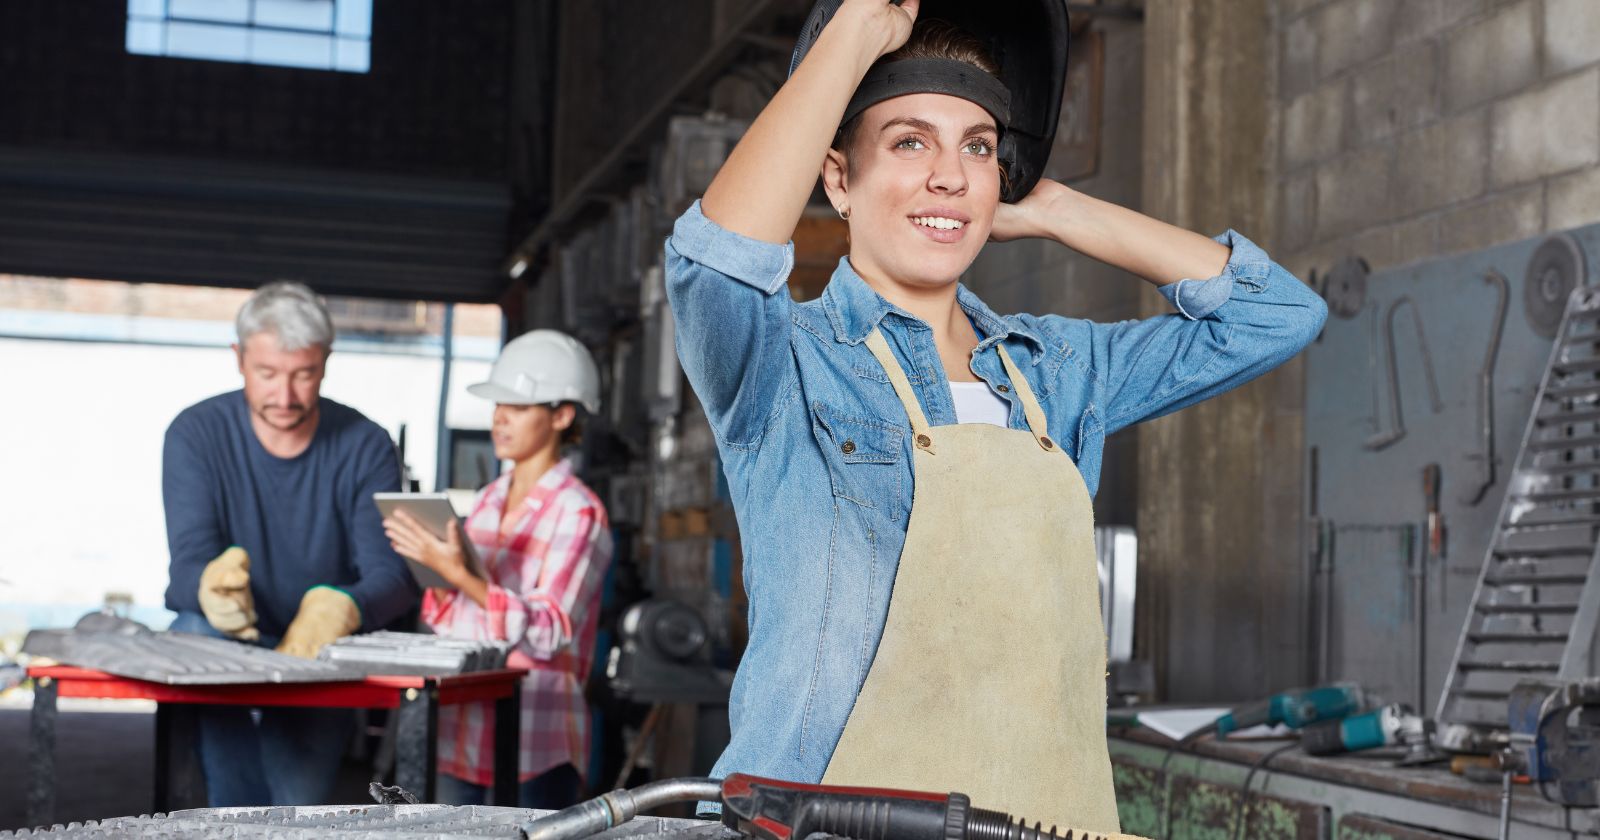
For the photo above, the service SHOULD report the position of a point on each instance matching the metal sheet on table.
(355, 822)
(179, 658)
(420, 654)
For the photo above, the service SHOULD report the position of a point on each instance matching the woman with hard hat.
(545, 544)
(897, 436)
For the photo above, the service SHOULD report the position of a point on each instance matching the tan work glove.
(325, 614)
(225, 595)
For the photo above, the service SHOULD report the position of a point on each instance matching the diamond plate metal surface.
(354, 822)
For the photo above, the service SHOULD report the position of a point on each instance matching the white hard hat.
(542, 367)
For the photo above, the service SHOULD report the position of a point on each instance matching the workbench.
(416, 700)
(1199, 790)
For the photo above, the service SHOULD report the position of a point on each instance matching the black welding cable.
(1244, 795)
(1186, 743)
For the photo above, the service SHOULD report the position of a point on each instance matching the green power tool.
(1390, 726)
(1294, 709)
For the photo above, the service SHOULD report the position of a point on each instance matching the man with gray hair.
(275, 540)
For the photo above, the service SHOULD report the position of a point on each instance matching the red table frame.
(416, 699)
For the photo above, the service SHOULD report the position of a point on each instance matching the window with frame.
(308, 34)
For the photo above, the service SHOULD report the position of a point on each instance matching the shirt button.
(848, 447)
(1046, 442)
(924, 441)
(1004, 389)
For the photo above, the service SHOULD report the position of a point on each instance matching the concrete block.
(1314, 126)
(1442, 164)
(1415, 240)
(1395, 94)
(1571, 34)
(1297, 213)
(1491, 58)
(1505, 217)
(1398, 244)
(1573, 200)
(1352, 32)
(1318, 259)
(1418, 19)
(1290, 9)
(1297, 59)
(1552, 129)
(1355, 191)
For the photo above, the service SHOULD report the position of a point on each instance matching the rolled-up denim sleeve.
(730, 303)
(1226, 331)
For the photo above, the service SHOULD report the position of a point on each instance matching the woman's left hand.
(413, 542)
(1033, 216)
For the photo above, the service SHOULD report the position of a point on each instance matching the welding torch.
(769, 809)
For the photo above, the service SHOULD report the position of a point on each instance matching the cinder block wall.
(1412, 129)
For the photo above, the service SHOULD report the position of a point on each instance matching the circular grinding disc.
(1554, 271)
(1347, 287)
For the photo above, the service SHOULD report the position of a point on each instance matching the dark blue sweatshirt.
(305, 521)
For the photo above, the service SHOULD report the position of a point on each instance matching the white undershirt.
(975, 403)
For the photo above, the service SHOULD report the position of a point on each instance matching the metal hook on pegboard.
(1397, 428)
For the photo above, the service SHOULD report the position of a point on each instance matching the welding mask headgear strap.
(888, 79)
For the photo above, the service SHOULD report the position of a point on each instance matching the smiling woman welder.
(897, 437)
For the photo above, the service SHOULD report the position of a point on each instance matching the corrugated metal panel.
(222, 224)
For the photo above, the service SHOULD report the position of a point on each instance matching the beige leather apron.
(990, 678)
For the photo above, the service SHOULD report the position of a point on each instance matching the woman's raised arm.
(1115, 235)
(762, 189)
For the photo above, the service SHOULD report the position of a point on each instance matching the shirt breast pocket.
(863, 454)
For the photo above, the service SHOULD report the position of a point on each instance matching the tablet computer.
(434, 512)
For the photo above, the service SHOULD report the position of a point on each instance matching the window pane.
(225, 11)
(144, 37)
(205, 40)
(354, 18)
(147, 8)
(291, 49)
(313, 15)
(353, 56)
(289, 33)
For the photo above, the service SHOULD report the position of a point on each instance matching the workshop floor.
(103, 766)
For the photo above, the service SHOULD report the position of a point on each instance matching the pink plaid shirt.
(544, 597)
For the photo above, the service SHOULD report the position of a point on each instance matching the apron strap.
(1030, 404)
(902, 388)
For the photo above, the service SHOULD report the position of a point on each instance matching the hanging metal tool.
(1397, 428)
(1375, 422)
(1328, 536)
(1484, 458)
(1432, 477)
(1345, 287)
(1554, 270)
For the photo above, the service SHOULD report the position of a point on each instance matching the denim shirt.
(787, 385)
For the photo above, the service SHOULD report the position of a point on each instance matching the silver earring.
(844, 213)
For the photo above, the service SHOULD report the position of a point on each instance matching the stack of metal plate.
(419, 654)
(129, 649)
(355, 822)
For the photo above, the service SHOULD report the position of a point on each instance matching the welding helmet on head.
(542, 367)
(1028, 40)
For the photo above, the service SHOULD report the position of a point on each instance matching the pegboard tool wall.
(1367, 509)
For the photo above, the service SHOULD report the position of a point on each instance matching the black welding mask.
(1028, 40)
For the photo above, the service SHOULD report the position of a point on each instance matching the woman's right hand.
(762, 188)
(889, 20)
(412, 541)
